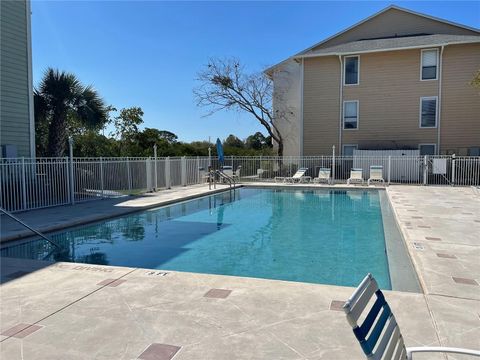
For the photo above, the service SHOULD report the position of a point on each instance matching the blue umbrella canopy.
(220, 151)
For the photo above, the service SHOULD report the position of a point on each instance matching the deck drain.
(418, 246)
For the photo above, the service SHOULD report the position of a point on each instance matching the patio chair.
(260, 173)
(236, 174)
(383, 340)
(299, 176)
(376, 174)
(323, 175)
(227, 170)
(356, 175)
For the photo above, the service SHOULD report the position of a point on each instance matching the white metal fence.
(35, 183)
(416, 170)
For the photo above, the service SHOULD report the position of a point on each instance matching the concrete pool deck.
(78, 311)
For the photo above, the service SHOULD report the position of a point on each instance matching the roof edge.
(271, 68)
(337, 53)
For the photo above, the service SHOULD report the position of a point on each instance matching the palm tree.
(60, 101)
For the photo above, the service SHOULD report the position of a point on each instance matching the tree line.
(64, 108)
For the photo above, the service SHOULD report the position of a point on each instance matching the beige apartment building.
(397, 80)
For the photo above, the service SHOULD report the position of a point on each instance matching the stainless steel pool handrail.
(226, 177)
(29, 228)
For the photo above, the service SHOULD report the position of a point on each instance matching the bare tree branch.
(224, 85)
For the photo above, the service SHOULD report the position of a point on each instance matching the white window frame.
(436, 112)
(358, 114)
(350, 145)
(427, 144)
(421, 64)
(345, 70)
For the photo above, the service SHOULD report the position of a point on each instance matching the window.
(350, 114)
(428, 112)
(429, 64)
(427, 149)
(348, 149)
(351, 70)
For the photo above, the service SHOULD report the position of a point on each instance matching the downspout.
(440, 70)
(30, 80)
(302, 129)
(340, 150)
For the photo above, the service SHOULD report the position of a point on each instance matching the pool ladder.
(228, 178)
(29, 227)
(212, 178)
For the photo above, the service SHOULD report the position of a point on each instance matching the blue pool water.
(318, 236)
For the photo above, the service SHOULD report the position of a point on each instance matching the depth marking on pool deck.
(156, 273)
(418, 246)
(85, 268)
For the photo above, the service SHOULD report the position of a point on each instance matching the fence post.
(167, 172)
(389, 168)
(24, 185)
(155, 166)
(129, 175)
(66, 167)
(453, 169)
(333, 164)
(101, 178)
(183, 163)
(425, 169)
(199, 181)
(148, 174)
(70, 178)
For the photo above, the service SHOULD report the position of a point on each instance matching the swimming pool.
(318, 236)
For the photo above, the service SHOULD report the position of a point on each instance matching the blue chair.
(384, 340)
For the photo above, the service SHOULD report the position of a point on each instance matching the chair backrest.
(379, 334)
(237, 172)
(376, 172)
(324, 173)
(300, 172)
(356, 173)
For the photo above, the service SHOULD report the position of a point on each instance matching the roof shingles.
(394, 43)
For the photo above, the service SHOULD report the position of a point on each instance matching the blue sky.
(147, 54)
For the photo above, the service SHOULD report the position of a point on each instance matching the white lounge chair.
(227, 170)
(299, 176)
(323, 175)
(379, 334)
(356, 175)
(236, 174)
(376, 174)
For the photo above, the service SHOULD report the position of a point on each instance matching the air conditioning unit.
(9, 151)
(474, 151)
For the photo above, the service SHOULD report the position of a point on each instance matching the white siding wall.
(287, 105)
(15, 81)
